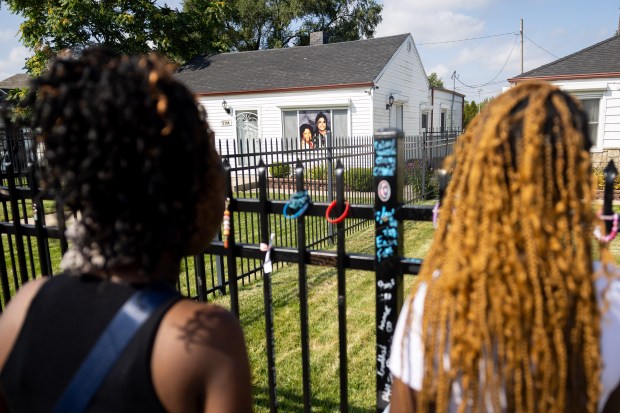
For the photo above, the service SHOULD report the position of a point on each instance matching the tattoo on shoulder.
(202, 329)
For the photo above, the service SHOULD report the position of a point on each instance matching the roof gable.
(18, 80)
(332, 64)
(599, 59)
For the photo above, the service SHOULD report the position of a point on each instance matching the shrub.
(599, 175)
(318, 172)
(415, 176)
(361, 179)
(280, 171)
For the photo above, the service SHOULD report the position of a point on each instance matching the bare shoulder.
(13, 318)
(199, 355)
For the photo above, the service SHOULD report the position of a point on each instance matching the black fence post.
(231, 260)
(388, 174)
(342, 290)
(610, 176)
(267, 292)
(303, 293)
(38, 215)
(201, 277)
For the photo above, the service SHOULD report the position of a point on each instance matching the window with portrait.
(312, 127)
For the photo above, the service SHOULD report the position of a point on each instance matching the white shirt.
(407, 358)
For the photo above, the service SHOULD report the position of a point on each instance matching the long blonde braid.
(513, 253)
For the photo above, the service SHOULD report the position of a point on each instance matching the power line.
(540, 47)
(471, 38)
(498, 73)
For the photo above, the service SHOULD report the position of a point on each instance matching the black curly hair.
(126, 147)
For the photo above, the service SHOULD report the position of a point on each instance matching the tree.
(434, 80)
(137, 26)
(470, 111)
(254, 25)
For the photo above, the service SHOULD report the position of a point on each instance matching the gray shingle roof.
(330, 64)
(15, 81)
(603, 57)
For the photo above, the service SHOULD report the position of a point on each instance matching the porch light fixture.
(225, 106)
(390, 102)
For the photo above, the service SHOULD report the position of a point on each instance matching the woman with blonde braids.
(510, 313)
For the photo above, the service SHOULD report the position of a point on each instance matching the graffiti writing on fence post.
(388, 179)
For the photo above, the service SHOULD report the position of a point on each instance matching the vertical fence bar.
(201, 277)
(330, 187)
(303, 293)
(19, 241)
(230, 254)
(342, 289)
(388, 179)
(38, 215)
(267, 293)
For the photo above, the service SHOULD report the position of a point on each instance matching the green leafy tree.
(434, 80)
(137, 26)
(470, 111)
(51, 27)
(472, 108)
(254, 25)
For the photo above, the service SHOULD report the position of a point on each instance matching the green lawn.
(323, 325)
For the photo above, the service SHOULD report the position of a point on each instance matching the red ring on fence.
(341, 217)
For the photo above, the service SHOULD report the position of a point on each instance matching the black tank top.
(63, 323)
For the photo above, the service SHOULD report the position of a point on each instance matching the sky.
(477, 68)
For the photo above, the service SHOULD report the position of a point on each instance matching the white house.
(360, 85)
(593, 76)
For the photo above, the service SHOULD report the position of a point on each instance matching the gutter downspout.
(462, 113)
(432, 107)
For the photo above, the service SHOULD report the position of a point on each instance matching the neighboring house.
(361, 85)
(19, 80)
(593, 76)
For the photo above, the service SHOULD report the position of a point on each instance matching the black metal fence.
(380, 177)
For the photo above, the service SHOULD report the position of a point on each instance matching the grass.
(323, 325)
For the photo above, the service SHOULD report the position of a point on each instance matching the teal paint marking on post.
(388, 174)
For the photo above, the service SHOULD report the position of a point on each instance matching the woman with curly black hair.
(126, 149)
(306, 137)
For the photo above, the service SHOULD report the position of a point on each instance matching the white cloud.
(431, 21)
(442, 71)
(13, 61)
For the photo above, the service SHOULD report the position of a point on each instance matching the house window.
(442, 123)
(424, 121)
(322, 122)
(591, 107)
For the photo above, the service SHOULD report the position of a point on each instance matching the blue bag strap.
(109, 346)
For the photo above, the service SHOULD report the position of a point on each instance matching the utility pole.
(479, 101)
(521, 32)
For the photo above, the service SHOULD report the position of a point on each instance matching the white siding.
(452, 104)
(271, 105)
(608, 89)
(403, 77)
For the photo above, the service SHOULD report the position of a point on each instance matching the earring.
(226, 224)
